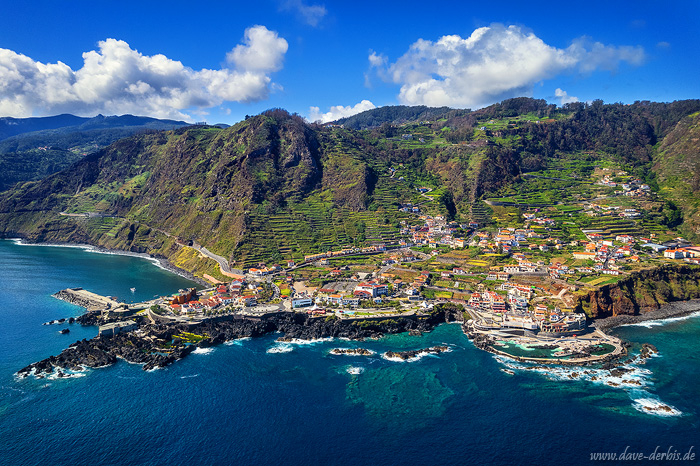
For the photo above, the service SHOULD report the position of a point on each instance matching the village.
(516, 277)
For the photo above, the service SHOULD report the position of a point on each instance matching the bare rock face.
(642, 292)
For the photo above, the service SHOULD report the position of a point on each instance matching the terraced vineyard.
(611, 227)
(317, 225)
(480, 213)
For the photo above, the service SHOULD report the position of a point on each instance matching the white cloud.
(117, 79)
(263, 51)
(339, 111)
(591, 56)
(492, 64)
(376, 60)
(310, 14)
(564, 96)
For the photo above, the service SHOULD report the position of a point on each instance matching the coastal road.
(223, 263)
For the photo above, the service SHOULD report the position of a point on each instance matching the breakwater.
(86, 299)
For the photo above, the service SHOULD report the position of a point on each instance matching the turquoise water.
(261, 402)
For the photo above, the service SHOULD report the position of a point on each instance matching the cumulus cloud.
(339, 111)
(492, 64)
(564, 97)
(117, 79)
(263, 50)
(310, 14)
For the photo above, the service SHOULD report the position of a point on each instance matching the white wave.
(351, 354)
(66, 375)
(635, 382)
(280, 348)
(299, 341)
(417, 357)
(656, 407)
(189, 376)
(131, 362)
(203, 351)
(21, 242)
(635, 378)
(95, 250)
(660, 322)
(355, 370)
(237, 341)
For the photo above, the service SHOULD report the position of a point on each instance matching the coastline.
(667, 311)
(159, 261)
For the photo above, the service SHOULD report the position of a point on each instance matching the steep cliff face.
(193, 183)
(642, 292)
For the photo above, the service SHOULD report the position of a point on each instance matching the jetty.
(87, 299)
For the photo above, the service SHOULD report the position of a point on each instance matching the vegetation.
(33, 148)
(273, 187)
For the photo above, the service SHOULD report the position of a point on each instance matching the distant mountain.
(32, 148)
(69, 123)
(402, 114)
(395, 114)
(12, 126)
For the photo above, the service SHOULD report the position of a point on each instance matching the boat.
(133, 290)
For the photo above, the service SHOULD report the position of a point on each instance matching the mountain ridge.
(274, 187)
(42, 146)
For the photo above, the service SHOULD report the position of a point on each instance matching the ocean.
(260, 402)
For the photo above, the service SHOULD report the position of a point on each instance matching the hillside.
(396, 115)
(33, 148)
(677, 165)
(273, 187)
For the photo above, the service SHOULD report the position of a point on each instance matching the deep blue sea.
(259, 402)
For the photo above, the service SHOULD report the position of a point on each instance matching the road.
(223, 263)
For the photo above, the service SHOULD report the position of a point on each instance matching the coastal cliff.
(642, 292)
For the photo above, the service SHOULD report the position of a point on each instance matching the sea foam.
(636, 382)
(660, 322)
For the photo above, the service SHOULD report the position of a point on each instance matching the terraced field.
(318, 225)
(480, 213)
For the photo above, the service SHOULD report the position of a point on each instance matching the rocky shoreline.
(674, 309)
(159, 345)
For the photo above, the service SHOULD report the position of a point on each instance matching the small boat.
(508, 371)
(133, 290)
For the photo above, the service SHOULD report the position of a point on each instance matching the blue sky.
(220, 61)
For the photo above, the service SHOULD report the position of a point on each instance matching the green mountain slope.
(274, 187)
(677, 165)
